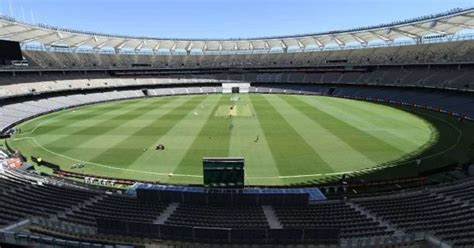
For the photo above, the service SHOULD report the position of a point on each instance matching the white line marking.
(66, 112)
(100, 165)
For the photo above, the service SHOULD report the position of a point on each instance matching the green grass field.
(285, 139)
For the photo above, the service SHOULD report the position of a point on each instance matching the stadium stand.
(114, 207)
(205, 216)
(436, 211)
(337, 213)
(459, 51)
(41, 210)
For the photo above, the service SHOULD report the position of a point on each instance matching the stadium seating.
(330, 214)
(439, 212)
(443, 211)
(418, 212)
(21, 199)
(231, 217)
(114, 207)
(458, 51)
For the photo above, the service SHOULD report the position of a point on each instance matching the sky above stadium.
(220, 18)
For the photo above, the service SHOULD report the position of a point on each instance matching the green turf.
(301, 139)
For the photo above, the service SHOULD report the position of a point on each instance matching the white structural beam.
(318, 43)
(173, 47)
(139, 47)
(82, 42)
(65, 40)
(469, 15)
(189, 47)
(434, 30)
(405, 33)
(121, 45)
(39, 37)
(8, 25)
(382, 37)
(461, 25)
(157, 47)
(300, 44)
(284, 46)
(99, 46)
(6, 35)
(267, 46)
(338, 41)
(54, 43)
(78, 44)
(360, 40)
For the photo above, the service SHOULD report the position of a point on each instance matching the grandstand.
(422, 67)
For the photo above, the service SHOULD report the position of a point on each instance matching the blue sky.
(221, 18)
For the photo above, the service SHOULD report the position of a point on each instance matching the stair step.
(272, 219)
(166, 214)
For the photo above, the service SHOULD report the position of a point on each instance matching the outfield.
(285, 139)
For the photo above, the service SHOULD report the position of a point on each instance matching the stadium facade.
(424, 63)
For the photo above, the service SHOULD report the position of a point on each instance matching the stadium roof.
(443, 24)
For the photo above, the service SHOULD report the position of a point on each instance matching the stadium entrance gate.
(228, 88)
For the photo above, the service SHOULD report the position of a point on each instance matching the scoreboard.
(9, 51)
(227, 172)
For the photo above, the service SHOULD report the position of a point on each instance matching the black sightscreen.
(223, 172)
(9, 50)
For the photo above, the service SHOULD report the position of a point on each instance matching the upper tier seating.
(457, 51)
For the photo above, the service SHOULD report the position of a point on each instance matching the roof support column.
(418, 40)
(284, 46)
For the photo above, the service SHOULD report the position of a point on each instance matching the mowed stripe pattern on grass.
(298, 136)
(127, 150)
(178, 140)
(93, 132)
(324, 139)
(363, 142)
(292, 154)
(244, 143)
(212, 141)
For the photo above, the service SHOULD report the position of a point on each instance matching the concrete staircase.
(272, 219)
(375, 218)
(77, 207)
(167, 213)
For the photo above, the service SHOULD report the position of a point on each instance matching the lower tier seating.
(206, 216)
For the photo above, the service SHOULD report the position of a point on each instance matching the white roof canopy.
(444, 24)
